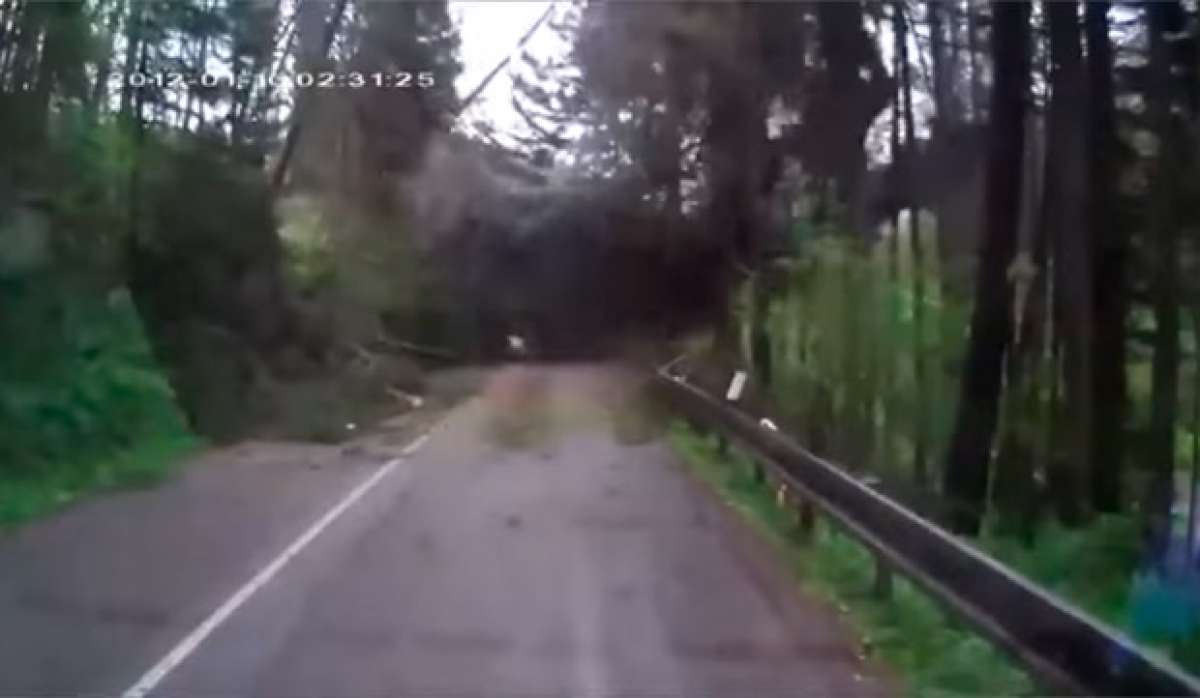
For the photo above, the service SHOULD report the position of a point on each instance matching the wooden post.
(806, 518)
(758, 472)
(802, 510)
(882, 587)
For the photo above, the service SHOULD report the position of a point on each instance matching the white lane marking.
(194, 639)
(415, 445)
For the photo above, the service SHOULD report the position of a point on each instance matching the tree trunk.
(944, 29)
(1014, 492)
(245, 98)
(917, 254)
(897, 154)
(1194, 480)
(737, 117)
(1109, 261)
(735, 146)
(7, 8)
(46, 72)
(201, 68)
(967, 461)
(852, 94)
(14, 44)
(1164, 283)
(311, 58)
(8, 12)
(133, 42)
(946, 107)
(135, 245)
(978, 97)
(1065, 210)
(893, 405)
(760, 338)
(25, 55)
(99, 93)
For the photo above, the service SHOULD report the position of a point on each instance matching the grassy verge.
(932, 653)
(1097, 567)
(36, 494)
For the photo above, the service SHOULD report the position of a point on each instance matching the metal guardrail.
(1063, 648)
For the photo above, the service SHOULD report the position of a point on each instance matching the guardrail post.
(806, 517)
(882, 587)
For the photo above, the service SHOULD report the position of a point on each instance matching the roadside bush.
(83, 404)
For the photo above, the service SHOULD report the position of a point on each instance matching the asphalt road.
(540, 542)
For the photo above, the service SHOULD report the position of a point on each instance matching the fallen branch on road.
(393, 344)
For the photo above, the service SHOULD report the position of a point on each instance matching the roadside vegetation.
(148, 302)
(862, 376)
(83, 404)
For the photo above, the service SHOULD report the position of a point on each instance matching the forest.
(956, 243)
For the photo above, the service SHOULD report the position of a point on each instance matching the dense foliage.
(842, 337)
(83, 404)
(145, 293)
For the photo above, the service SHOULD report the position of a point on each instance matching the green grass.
(933, 654)
(38, 494)
(1092, 566)
(1096, 567)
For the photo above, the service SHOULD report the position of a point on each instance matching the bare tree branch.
(474, 94)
